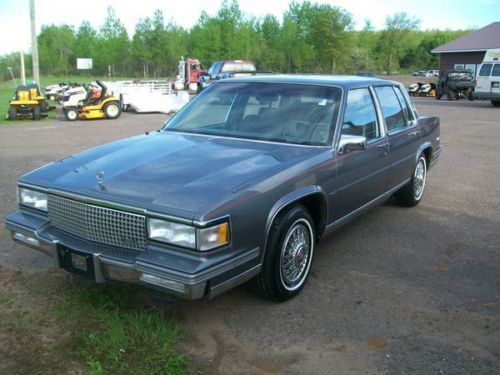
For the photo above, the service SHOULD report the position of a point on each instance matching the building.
(468, 51)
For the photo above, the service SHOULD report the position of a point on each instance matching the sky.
(442, 14)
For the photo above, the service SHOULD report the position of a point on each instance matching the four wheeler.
(456, 84)
(28, 103)
(95, 106)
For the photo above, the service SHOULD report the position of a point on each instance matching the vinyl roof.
(477, 41)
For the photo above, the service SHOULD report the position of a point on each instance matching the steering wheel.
(295, 128)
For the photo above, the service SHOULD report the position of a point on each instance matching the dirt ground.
(396, 291)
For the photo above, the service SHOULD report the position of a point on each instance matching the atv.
(456, 84)
(97, 105)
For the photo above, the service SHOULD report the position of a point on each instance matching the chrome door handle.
(414, 133)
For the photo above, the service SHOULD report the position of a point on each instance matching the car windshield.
(289, 113)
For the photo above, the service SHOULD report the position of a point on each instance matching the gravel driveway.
(397, 290)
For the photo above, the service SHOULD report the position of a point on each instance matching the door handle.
(415, 133)
(385, 146)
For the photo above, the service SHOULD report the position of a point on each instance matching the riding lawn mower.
(98, 104)
(28, 103)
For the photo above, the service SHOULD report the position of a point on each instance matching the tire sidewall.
(118, 110)
(275, 246)
(420, 158)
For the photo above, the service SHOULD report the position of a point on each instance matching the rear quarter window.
(496, 70)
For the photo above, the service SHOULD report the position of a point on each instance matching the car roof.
(346, 81)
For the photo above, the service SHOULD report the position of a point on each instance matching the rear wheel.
(71, 114)
(411, 194)
(496, 103)
(288, 256)
(44, 106)
(12, 113)
(37, 112)
(112, 110)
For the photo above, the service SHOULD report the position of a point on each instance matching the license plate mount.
(77, 262)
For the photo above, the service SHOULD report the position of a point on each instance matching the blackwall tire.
(112, 110)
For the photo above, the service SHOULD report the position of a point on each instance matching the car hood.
(173, 173)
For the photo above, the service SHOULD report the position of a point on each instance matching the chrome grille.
(98, 224)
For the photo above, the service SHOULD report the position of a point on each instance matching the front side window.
(360, 117)
(391, 108)
(485, 70)
(288, 113)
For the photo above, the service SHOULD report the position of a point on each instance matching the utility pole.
(34, 44)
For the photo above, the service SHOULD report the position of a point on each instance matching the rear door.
(361, 175)
(495, 80)
(483, 78)
(402, 133)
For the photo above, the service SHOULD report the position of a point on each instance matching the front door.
(483, 79)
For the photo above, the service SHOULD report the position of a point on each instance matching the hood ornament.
(100, 177)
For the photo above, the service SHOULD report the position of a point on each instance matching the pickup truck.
(226, 69)
(240, 184)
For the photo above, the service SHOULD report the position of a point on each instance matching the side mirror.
(351, 143)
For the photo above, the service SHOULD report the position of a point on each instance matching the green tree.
(113, 44)
(55, 49)
(395, 39)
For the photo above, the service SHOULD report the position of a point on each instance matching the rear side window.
(391, 108)
(496, 70)
(360, 117)
(485, 70)
(228, 67)
(404, 104)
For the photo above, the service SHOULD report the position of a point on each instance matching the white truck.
(488, 79)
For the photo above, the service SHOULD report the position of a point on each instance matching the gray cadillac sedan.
(241, 184)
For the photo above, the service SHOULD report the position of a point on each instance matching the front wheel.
(411, 194)
(112, 110)
(288, 256)
(71, 114)
(12, 113)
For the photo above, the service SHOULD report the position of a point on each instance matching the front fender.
(291, 198)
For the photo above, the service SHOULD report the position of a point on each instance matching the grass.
(64, 324)
(7, 89)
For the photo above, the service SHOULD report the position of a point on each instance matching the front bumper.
(183, 275)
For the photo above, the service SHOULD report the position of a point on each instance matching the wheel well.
(427, 153)
(316, 206)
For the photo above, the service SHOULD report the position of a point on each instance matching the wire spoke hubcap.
(419, 179)
(295, 255)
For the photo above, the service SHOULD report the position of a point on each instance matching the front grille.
(98, 224)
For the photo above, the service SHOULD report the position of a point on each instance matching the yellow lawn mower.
(28, 103)
(97, 105)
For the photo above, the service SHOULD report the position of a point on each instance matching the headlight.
(202, 239)
(174, 233)
(33, 199)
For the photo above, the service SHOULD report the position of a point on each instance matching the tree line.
(311, 37)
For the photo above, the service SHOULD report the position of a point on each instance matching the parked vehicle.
(242, 183)
(73, 96)
(432, 73)
(27, 103)
(188, 74)
(487, 85)
(52, 91)
(226, 69)
(98, 104)
(456, 84)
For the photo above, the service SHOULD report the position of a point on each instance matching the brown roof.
(480, 40)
